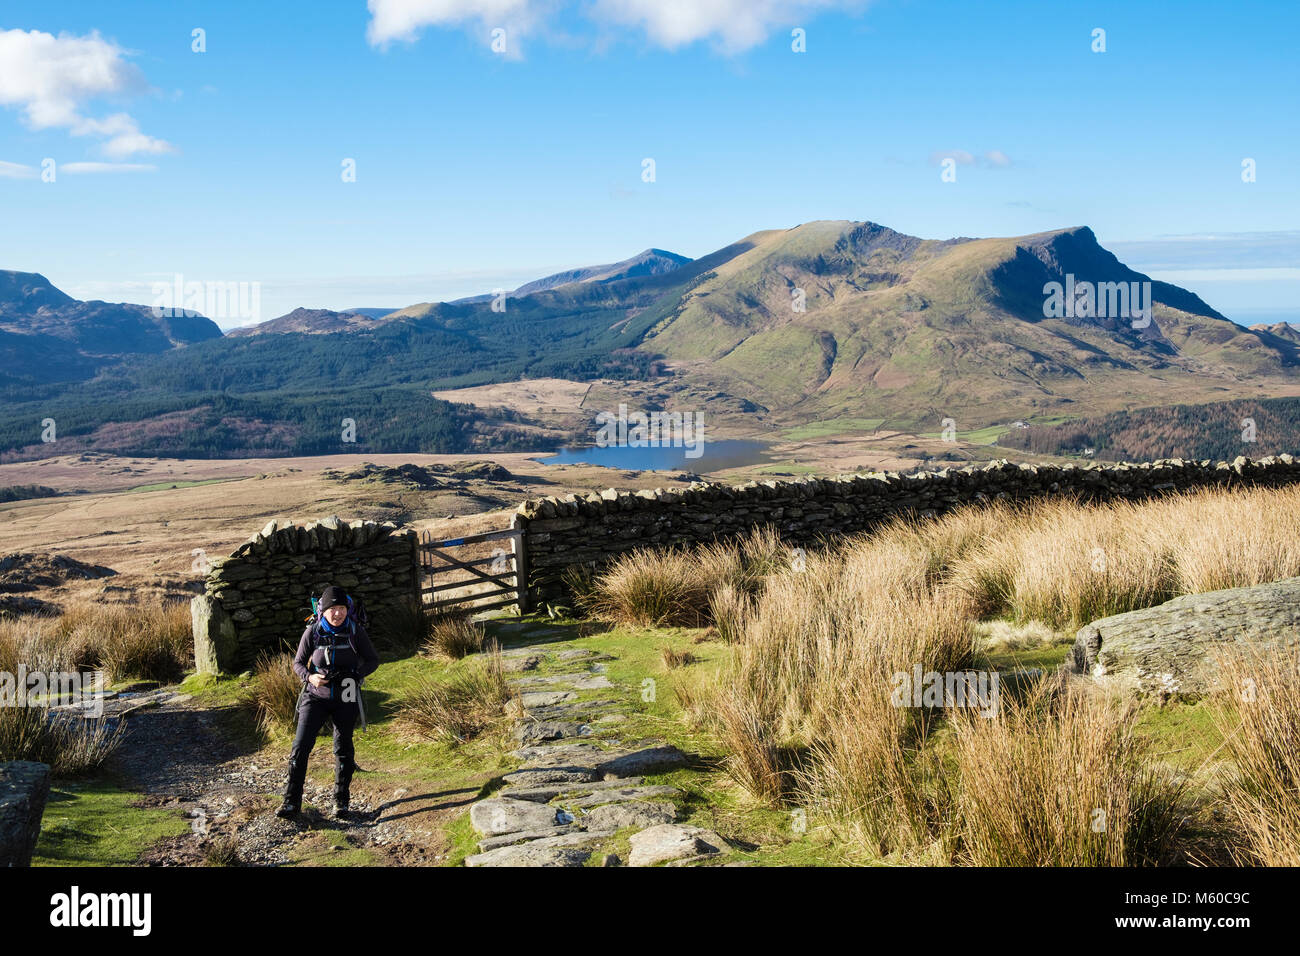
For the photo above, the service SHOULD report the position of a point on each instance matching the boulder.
(24, 786)
(672, 841)
(1169, 650)
(216, 646)
(530, 854)
(498, 815)
(616, 816)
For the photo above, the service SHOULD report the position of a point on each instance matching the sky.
(496, 141)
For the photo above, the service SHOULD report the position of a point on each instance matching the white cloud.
(733, 25)
(402, 19)
(50, 79)
(994, 157)
(15, 171)
(76, 168)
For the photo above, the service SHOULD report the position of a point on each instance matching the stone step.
(635, 813)
(536, 776)
(624, 794)
(547, 698)
(523, 836)
(542, 730)
(546, 792)
(497, 815)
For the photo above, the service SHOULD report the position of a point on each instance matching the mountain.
(821, 321)
(309, 321)
(918, 330)
(1282, 330)
(651, 262)
(48, 336)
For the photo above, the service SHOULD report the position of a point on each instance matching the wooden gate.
(452, 578)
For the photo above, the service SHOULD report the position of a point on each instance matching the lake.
(717, 455)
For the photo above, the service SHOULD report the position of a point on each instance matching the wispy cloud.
(52, 79)
(733, 26)
(15, 171)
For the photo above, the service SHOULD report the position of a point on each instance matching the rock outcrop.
(24, 786)
(1169, 650)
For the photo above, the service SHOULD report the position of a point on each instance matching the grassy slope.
(925, 334)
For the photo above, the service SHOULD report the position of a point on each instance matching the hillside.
(48, 336)
(651, 262)
(309, 322)
(1217, 430)
(900, 327)
(894, 329)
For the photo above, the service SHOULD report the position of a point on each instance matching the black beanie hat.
(331, 596)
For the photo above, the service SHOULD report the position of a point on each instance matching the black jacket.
(346, 653)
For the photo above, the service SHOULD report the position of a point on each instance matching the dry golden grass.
(462, 705)
(147, 641)
(674, 659)
(1061, 779)
(454, 637)
(804, 711)
(274, 694)
(1261, 728)
(1066, 564)
(70, 745)
(676, 586)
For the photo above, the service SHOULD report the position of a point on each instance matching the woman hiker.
(334, 653)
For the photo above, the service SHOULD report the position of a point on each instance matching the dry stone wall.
(257, 599)
(592, 529)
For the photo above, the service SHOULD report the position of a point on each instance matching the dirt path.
(178, 754)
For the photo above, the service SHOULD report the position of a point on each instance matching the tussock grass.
(150, 641)
(462, 705)
(1060, 778)
(648, 588)
(274, 693)
(70, 745)
(674, 659)
(803, 707)
(677, 586)
(454, 637)
(1260, 723)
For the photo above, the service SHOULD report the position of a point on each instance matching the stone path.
(579, 784)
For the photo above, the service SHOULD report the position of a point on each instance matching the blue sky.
(478, 169)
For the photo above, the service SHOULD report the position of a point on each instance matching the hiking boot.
(342, 812)
(288, 810)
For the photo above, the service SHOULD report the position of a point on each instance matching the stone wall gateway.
(595, 528)
(256, 599)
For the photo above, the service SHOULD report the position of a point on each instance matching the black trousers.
(312, 714)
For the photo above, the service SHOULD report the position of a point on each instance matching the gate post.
(520, 552)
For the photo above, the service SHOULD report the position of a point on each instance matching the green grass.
(831, 426)
(1184, 735)
(980, 436)
(169, 485)
(92, 823)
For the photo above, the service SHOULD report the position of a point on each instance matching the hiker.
(334, 654)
